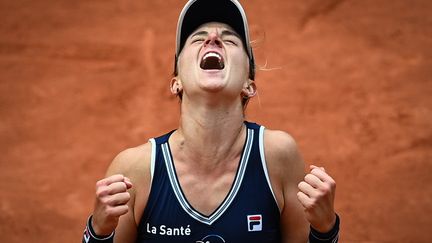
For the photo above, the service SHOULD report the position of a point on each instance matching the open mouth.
(212, 60)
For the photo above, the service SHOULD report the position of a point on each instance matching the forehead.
(213, 25)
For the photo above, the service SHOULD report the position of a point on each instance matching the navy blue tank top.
(249, 213)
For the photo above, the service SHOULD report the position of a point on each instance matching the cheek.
(184, 63)
(241, 64)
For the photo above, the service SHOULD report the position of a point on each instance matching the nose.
(213, 40)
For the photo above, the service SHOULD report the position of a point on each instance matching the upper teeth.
(212, 54)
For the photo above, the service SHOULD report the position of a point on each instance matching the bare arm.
(287, 170)
(119, 201)
(305, 200)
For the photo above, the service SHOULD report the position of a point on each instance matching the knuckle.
(300, 195)
(99, 183)
(325, 188)
(114, 201)
(123, 186)
(315, 170)
(119, 186)
(122, 198)
(118, 177)
(110, 211)
(127, 196)
(125, 209)
(105, 200)
(118, 210)
(302, 185)
(320, 194)
(332, 183)
(100, 192)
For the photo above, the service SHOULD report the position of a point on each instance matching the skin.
(211, 133)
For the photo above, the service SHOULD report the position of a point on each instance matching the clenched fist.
(111, 202)
(317, 194)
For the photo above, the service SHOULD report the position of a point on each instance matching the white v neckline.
(218, 212)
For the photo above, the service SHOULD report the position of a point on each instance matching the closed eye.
(230, 42)
(199, 40)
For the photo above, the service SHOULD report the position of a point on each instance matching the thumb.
(128, 183)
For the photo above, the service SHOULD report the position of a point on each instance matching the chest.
(206, 190)
(235, 206)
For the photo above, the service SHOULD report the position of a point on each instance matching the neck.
(210, 134)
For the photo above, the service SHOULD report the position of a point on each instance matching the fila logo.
(254, 222)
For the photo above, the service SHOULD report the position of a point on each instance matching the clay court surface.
(82, 80)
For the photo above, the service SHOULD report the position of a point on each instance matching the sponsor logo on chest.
(254, 222)
(166, 230)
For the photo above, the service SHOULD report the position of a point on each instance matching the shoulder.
(283, 157)
(280, 146)
(279, 142)
(132, 162)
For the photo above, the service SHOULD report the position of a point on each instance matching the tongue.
(212, 63)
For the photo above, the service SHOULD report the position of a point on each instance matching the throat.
(210, 136)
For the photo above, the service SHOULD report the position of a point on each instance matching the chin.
(212, 86)
(212, 81)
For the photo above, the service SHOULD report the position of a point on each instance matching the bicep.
(126, 231)
(294, 226)
(135, 164)
(288, 169)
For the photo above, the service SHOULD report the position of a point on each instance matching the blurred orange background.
(350, 80)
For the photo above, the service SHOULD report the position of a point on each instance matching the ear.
(176, 86)
(249, 89)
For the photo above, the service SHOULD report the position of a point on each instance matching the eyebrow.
(230, 33)
(224, 33)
